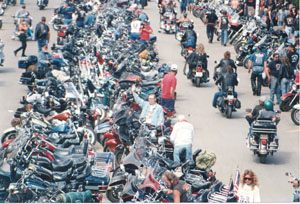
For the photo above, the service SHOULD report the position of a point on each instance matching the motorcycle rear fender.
(112, 143)
(9, 130)
(108, 135)
(118, 180)
(6, 143)
(297, 106)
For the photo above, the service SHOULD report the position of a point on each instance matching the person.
(190, 5)
(234, 4)
(258, 64)
(183, 4)
(280, 16)
(67, 12)
(143, 3)
(286, 75)
(184, 19)
(226, 80)
(295, 183)
(273, 77)
(250, 4)
(288, 23)
(89, 18)
(22, 13)
(223, 26)
(248, 191)
(223, 63)
(22, 30)
(169, 83)
(44, 60)
(189, 38)
(240, 8)
(269, 20)
(196, 58)
(182, 137)
(178, 190)
(151, 111)
(292, 55)
(296, 25)
(145, 31)
(135, 27)
(42, 33)
(253, 115)
(211, 20)
(268, 112)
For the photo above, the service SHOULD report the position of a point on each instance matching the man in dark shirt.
(288, 23)
(252, 116)
(273, 77)
(42, 33)
(249, 3)
(240, 9)
(223, 26)
(293, 56)
(211, 20)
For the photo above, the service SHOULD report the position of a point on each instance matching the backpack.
(205, 159)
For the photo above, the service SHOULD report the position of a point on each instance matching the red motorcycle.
(290, 99)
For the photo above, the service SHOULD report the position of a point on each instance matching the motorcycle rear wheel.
(285, 104)
(113, 195)
(246, 62)
(295, 116)
(262, 159)
(106, 149)
(198, 82)
(229, 112)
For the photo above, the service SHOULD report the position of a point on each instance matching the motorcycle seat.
(198, 186)
(149, 83)
(61, 176)
(170, 164)
(78, 159)
(61, 165)
(264, 124)
(61, 138)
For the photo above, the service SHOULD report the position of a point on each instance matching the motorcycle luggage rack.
(264, 130)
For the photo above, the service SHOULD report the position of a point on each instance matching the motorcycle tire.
(91, 137)
(103, 141)
(246, 62)
(118, 155)
(41, 7)
(262, 159)
(1, 24)
(198, 82)
(2, 12)
(8, 136)
(196, 13)
(13, 2)
(229, 112)
(285, 104)
(265, 82)
(295, 116)
(113, 195)
(55, 27)
(237, 47)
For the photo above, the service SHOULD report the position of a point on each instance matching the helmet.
(32, 59)
(268, 105)
(191, 26)
(174, 67)
(184, 15)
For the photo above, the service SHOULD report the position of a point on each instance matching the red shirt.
(144, 35)
(169, 81)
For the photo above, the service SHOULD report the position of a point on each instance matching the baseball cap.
(262, 98)
(174, 67)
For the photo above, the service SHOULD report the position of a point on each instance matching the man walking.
(211, 20)
(182, 137)
(223, 26)
(169, 83)
(273, 77)
(258, 64)
(42, 33)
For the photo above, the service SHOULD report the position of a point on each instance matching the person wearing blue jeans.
(42, 33)
(182, 137)
(273, 77)
(211, 20)
(286, 74)
(223, 26)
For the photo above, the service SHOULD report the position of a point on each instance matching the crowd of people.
(279, 71)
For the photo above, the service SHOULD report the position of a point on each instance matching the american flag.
(236, 182)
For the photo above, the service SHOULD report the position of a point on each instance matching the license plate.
(230, 97)
(264, 136)
(199, 74)
(190, 51)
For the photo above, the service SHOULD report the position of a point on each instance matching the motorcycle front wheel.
(285, 104)
(295, 116)
(8, 136)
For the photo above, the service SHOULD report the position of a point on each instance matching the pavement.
(213, 132)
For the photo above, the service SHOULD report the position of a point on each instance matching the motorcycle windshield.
(71, 92)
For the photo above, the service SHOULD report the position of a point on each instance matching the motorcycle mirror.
(248, 110)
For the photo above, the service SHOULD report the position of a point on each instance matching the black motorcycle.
(42, 4)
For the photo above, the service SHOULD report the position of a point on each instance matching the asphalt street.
(224, 137)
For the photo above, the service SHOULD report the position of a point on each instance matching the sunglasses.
(246, 178)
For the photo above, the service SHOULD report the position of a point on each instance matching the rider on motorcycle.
(189, 39)
(253, 115)
(229, 79)
(195, 57)
(169, 8)
(223, 63)
(268, 112)
(184, 19)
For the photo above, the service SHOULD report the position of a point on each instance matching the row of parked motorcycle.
(78, 99)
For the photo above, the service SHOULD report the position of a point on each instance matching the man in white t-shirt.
(182, 137)
(135, 26)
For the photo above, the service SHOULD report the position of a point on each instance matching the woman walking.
(22, 30)
(286, 74)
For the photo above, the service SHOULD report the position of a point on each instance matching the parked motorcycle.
(295, 114)
(290, 99)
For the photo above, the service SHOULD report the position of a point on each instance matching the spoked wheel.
(90, 135)
(285, 104)
(8, 136)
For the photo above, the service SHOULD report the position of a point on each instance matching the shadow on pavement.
(279, 158)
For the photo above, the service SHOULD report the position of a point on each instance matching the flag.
(236, 182)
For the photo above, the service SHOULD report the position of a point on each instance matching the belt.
(211, 23)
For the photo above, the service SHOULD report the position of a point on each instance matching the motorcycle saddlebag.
(97, 180)
(26, 78)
